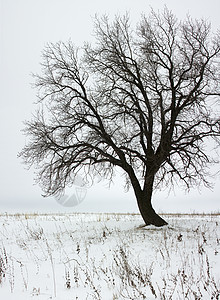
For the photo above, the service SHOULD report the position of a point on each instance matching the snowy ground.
(107, 256)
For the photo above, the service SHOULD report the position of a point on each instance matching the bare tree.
(144, 100)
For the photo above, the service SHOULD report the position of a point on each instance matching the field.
(108, 256)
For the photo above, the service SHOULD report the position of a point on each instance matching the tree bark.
(148, 214)
(144, 197)
(144, 200)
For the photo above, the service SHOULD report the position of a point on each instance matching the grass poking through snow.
(108, 256)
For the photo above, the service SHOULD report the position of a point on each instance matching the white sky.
(26, 26)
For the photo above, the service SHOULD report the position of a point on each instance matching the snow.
(108, 256)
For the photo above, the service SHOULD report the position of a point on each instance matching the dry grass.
(107, 256)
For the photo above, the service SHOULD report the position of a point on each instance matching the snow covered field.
(108, 256)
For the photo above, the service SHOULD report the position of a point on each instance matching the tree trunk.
(148, 214)
(145, 206)
(144, 197)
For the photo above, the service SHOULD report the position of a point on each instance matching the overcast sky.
(26, 26)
